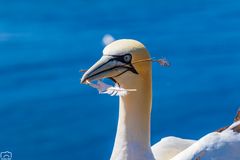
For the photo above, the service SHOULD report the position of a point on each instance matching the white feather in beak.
(104, 88)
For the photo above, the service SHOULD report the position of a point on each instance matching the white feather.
(104, 88)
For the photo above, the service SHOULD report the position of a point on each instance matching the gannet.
(132, 141)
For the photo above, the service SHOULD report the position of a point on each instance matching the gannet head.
(118, 62)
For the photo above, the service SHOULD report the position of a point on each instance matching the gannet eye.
(127, 58)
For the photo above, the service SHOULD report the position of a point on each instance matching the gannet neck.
(133, 132)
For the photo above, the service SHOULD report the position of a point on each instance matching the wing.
(169, 147)
(223, 145)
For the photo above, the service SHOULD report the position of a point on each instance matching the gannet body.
(169, 147)
(132, 141)
(223, 145)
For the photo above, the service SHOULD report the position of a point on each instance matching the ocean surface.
(45, 114)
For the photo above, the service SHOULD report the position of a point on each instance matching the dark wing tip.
(236, 128)
(237, 118)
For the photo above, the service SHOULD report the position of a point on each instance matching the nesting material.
(104, 88)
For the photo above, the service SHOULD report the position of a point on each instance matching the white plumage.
(132, 140)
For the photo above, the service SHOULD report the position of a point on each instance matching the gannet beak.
(106, 67)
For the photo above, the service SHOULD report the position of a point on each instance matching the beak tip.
(83, 79)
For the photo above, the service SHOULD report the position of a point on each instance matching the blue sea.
(46, 114)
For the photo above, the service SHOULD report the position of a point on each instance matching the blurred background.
(46, 114)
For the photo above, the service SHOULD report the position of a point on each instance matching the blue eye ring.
(127, 58)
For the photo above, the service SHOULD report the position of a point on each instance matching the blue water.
(46, 114)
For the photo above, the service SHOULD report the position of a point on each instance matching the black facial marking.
(111, 78)
(114, 80)
(133, 69)
(126, 58)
